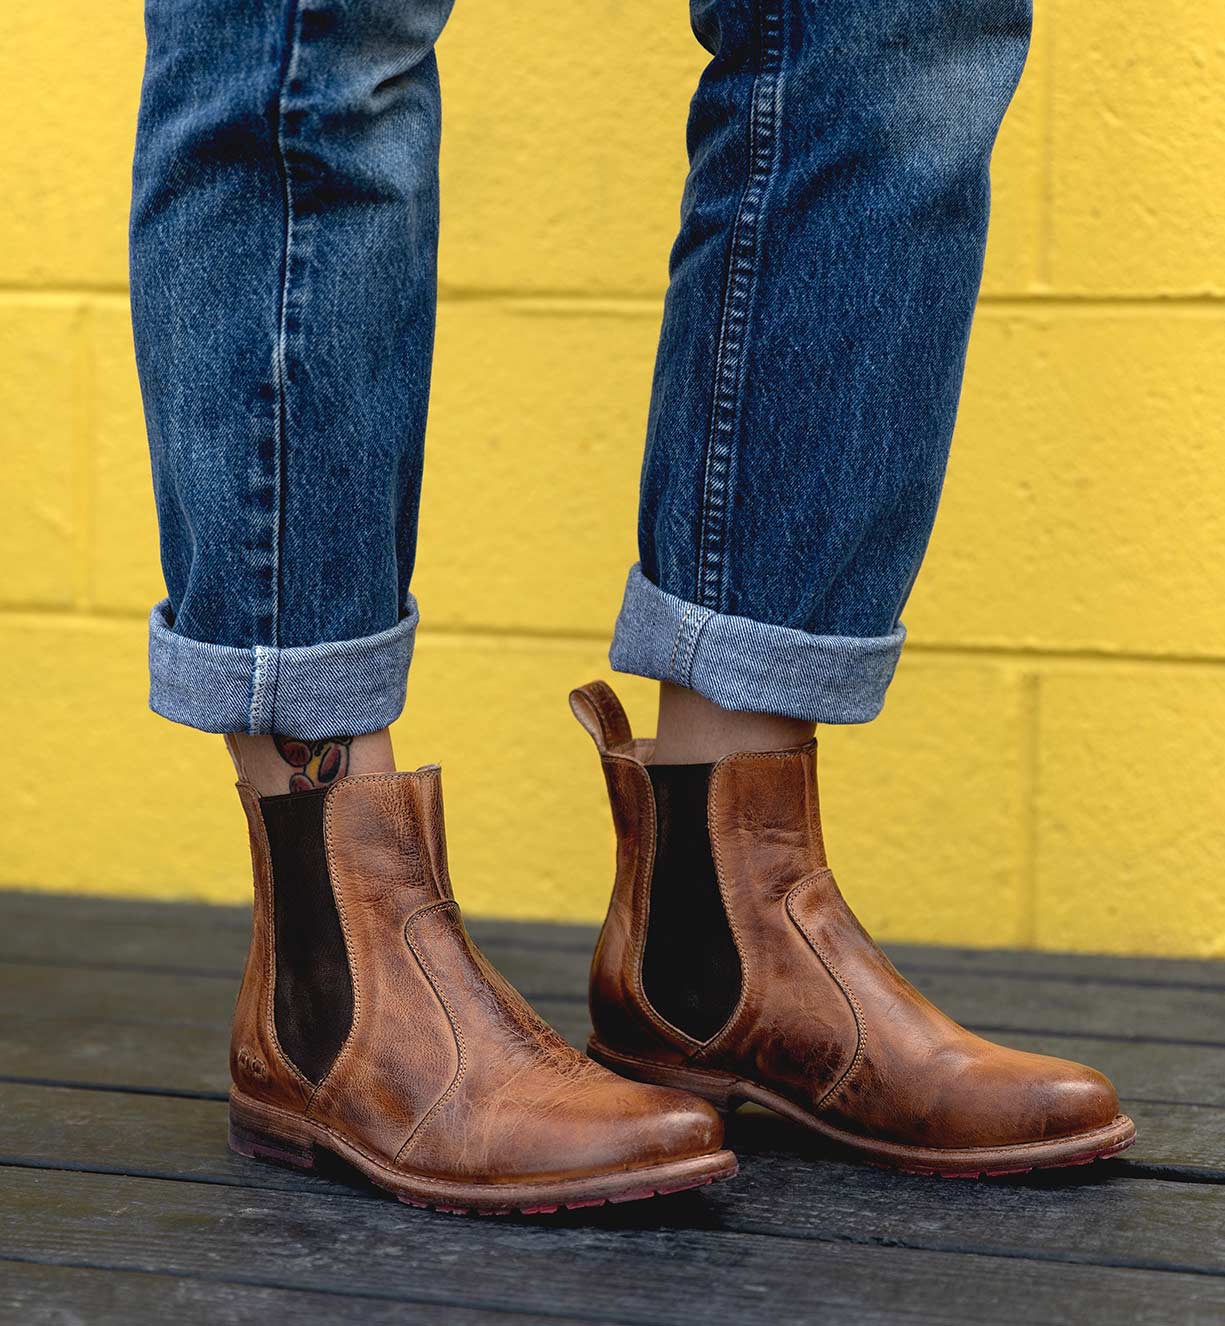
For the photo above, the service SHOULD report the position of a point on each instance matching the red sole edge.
(633, 1195)
(1069, 1162)
(245, 1145)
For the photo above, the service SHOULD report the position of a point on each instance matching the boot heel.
(718, 1088)
(279, 1145)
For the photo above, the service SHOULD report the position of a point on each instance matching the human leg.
(283, 244)
(810, 361)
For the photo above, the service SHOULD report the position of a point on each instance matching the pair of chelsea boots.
(729, 969)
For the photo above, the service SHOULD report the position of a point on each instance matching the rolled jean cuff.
(341, 689)
(744, 664)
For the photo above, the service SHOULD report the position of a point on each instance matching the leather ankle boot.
(369, 1025)
(729, 965)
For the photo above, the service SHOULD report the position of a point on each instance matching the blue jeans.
(284, 230)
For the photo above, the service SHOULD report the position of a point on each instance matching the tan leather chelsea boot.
(369, 1025)
(729, 965)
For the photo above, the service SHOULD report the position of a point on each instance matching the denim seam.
(253, 693)
(737, 298)
(688, 635)
(263, 689)
(280, 364)
(676, 644)
(699, 627)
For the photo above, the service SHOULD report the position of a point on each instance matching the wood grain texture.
(789, 1186)
(628, 1265)
(154, 1030)
(51, 1295)
(121, 1203)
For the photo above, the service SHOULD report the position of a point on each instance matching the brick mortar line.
(1029, 753)
(84, 454)
(1079, 657)
(1046, 134)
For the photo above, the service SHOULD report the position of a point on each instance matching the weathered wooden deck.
(119, 1201)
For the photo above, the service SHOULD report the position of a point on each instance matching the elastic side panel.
(690, 967)
(313, 998)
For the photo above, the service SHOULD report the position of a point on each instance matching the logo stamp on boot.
(252, 1064)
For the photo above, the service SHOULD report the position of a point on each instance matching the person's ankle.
(693, 730)
(274, 764)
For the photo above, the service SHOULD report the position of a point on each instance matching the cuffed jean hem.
(341, 689)
(744, 664)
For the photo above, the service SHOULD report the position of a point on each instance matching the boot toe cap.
(998, 1097)
(1074, 1098)
(682, 1125)
(1026, 1098)
(633, 1125)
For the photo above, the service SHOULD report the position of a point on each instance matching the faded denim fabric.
(283, 238)
(814, 336)
(284, 233)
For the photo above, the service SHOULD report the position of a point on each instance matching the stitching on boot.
(689, 954)
(857, 1013)
(337, 894)
(461, 1067)
(641, 899)
(266, 1016)
(716, 850)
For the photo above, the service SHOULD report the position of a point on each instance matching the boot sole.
(263, 1132)
(727, 1092)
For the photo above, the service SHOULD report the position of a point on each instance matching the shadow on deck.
(121, 1203)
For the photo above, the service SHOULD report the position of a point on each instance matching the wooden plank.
(992, 992)
(155, 1035)
(50, 1295)
(1118, 1240)
(32, 908)
(63, 931)
(189, 936)
(73, 929)
(989, 990)
(1199, 973)
(789, 1185)
(987, 1002)
(90, 1127)
(117, 1132)
(1008, 999)
(92, 1052)
(993, 1002)
(36, 993)
(1205, 973)
(642, 1263)
(1177, 1138)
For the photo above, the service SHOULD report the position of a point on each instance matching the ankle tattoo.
(314, 763)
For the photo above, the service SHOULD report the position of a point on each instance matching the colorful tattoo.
(315, 763)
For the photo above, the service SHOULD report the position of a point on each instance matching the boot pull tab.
(596, 706)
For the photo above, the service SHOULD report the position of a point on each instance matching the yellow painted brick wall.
(1049, 768)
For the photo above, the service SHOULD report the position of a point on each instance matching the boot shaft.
(337, 872)
(700, 848)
